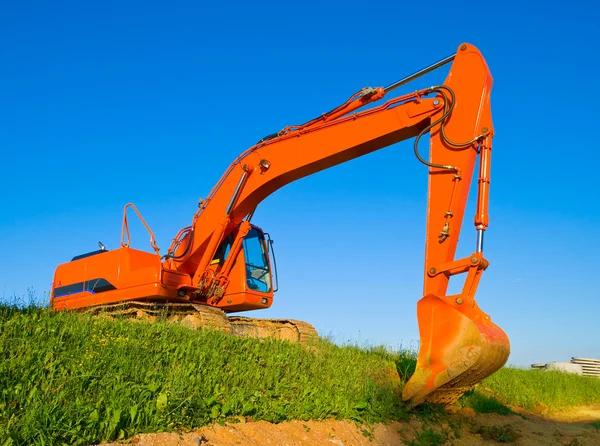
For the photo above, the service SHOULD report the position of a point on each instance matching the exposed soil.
(572, 427)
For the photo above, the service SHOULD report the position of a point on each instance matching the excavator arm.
(342, 135)
(459, 343)
(298, 153)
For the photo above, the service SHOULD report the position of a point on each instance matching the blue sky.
(107, 103)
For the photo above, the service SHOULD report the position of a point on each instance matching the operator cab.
(253, 274)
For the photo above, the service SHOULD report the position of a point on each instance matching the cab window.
(258, 276)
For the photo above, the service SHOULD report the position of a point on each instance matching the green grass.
(481, 403)
(553, 389)
(68, 378)
(530, 388)
(427, 437)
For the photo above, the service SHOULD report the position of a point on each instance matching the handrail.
(125, 230)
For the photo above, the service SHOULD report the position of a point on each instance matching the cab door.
(251, 279)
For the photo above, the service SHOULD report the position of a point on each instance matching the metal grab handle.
(125, 229)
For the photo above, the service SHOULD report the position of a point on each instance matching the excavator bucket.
(460, 346)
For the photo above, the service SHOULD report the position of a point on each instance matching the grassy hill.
(69, 378)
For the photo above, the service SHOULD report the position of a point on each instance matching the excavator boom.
(222, 260)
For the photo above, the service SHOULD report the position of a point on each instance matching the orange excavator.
(222, 263)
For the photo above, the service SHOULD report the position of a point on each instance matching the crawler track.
(197, 316)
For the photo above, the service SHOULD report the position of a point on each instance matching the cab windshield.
(258, 276)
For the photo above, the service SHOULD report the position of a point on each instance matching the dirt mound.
(573, 427)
